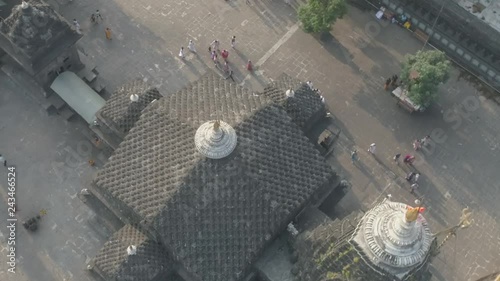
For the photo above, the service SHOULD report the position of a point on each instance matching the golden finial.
(216, 125)
(412, 214)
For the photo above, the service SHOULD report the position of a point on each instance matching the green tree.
(318, 15)
(422, 73)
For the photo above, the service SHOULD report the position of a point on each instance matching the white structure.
(290, 93)
(134, 97)
(394, 237)
(131, 250)
(215, 139)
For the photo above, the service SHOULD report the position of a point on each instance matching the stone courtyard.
(459, 169)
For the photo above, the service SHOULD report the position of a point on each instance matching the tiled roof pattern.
(37, 33)
(215, 215)
(121, 111)
(325, 250)
(303, 106)
(150, 260)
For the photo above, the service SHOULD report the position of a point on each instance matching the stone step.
(56, 101)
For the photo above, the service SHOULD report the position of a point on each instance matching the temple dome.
(395, 238)
(215, 139)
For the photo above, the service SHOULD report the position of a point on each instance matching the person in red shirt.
(225, 55)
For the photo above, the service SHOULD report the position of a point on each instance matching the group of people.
(95, 19)
(412, 177)
(419, 143)
(215, 51)
(391, 82)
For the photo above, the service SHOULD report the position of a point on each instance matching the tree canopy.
(422, 73)
(319, 15)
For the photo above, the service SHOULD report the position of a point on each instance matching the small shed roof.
(78, 95)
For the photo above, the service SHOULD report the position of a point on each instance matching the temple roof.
(304, 107)
(35, 28)
(150, 260)
(120, 112)
(394, 237)
(324, 251)
(215, 215)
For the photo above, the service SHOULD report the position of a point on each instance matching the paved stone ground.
(459, 169)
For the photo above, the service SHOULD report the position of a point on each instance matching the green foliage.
(319, 15)
(332, 275)
(432, 68)
(346, 271)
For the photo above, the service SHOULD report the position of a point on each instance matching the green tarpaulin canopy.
(78, 95)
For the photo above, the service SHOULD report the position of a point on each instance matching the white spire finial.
(131, 250)
(134, 97)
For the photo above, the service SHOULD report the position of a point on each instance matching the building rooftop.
(147, 259)
(305, 107)
(215, 216)
(121, 112)
(36, 32)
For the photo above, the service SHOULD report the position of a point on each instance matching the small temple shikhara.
(392, 241)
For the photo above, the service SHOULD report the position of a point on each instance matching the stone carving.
(395, 237)
(215, 139)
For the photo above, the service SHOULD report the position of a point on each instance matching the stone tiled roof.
(215, 216)
(121, 112)
(149, 262)
(304, 107)
(35, 28)
(326, 253)
(324, 250)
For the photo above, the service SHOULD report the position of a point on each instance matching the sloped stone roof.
(149, 262)
(303, 107)
(326, 252)
(215, 216)
(120, 112)
(36, 27)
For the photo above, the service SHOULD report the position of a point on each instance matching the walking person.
(181, 53)
(394, 82)
(372, 148)
(396, 157)
(191, 46)
(226, 67)
(410, 176)
(93, 19)
(425, 141)
(107, 31)
(415, 179)
(354, 156)
(233, 42)
(77, 26)
(215, 44)
(224, 54)
(98, 16)
(387, 83)
(287, 2)
(215, 58)
(2, 160)
(413, 187)
(416, 145)
(249, 66)
(409, 159)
